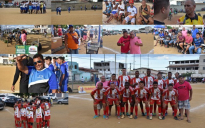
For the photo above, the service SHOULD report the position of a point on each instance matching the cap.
(70, 26)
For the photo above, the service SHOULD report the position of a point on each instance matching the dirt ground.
(137, 5)
(77, 17)
(81, 105)
(45, 42)
(13, 16)
(177, 16)
(59, 116)
(147, 39)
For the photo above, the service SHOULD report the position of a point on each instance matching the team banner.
(26, 49)
(85, 89)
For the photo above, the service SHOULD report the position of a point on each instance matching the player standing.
(135, 81)
(17, 113)
(23, 113)
(47, 114)
(39, 115)
(148, 79)
(63, 75)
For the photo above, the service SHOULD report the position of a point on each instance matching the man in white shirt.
(121, 10)
(131, 14)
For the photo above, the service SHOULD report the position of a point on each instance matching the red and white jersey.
(127, 92)
(136, 80)
(112, 94)
(116, 82)
(122, 79)
(141, 93)
(170, 95)
(37, 102)
(167, 82)
(156, 93)
(39, 112)
(99, 93)
(148, 81)
(161, 83)
(47, 112)
(17, 112)
(23, 110)
(176, 81)
(29, 111)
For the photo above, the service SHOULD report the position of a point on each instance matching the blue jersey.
(161, 35)
(51, 67)
(57, 72)
(63, 72)
(66, 67)
(198, 42)
(41, 81)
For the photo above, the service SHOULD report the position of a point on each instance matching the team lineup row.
(157, 92)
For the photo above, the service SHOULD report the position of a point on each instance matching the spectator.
(197, 44)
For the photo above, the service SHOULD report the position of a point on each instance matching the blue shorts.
(44, 8)
(114, 12)
(33, 7)
(64, 86)
(38, 8)
(21, 8)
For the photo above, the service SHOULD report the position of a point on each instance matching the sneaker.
(150, 117)
(95, 117)
(118, 117)
(104, 116)
(123, 116)
(127, 114)
(135, 117)
(176, 118)
(166, 113)
(131, 116)
(143, 114)
(160, 117)
(163, 117)
(147, 117)
(154, 114)
(179, 115)
(107, 118)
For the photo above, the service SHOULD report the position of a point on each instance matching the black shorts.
(146, 16)
(91, 35)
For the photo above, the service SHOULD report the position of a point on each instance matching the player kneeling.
(99, 98)
(128, 95)
(141, 94)
(170, 96)
(156, 93)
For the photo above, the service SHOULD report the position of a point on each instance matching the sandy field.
(77, 17)
(59, 115)
(13, 16)
(147, 39)
(177, 16)
(81, 105)
(137, 5)
(45, 42)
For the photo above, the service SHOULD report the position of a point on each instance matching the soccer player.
(127, 95)
(47, 114)
(63, 76)
(23, 113)
(41, 79)
(160, 81)
(37, 7)
(169, 80)
(37, 101)
(17, 113)
(156, 93)
(99, 98)
(176, 80)
(69, 9)
(132, 103)
(30, 114)
(132, 12)
(39, 115)
(135, 81)
(48, 62)
(170, 96)
(142, 94)
(148, 79)
(113, 95)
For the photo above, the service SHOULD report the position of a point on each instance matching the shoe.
(131, 116)
(135, 117)
(104, 116)
(107, 118)
(176, 118)
(123, 116)
(143, 114)
(118, 117)
(160, 117)
(147, 117)
(154, 114)
(163, 117)
(95, 117)
(127, 114)
(179, 115)
(150, 117)
(166, 113)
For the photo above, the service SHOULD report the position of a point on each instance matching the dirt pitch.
(81, 110)
(13, 16)
(77, 17)
(59, 116)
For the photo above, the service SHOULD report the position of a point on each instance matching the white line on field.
(111, 50)
(9, 112)
(151, 51)
(198, 107)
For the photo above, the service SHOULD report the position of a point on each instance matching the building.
(108, 68)
(180, 5)
(42, 28)
(202, 64)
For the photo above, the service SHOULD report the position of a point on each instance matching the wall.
(85, 74)
(201, 64)
(179, 7)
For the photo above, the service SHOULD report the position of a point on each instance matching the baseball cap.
(70, 26)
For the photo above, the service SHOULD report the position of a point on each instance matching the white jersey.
(29, 113)
(47, 112)
(34, 4)
(17, 112)
(23, 112)
(133, 10)
(39, 113)
(122, 6)
(113, 6)
(38, 4)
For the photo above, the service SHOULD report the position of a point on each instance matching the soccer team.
(27, 112)
(153, 92)
(32, 7)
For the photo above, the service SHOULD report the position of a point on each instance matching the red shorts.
(110, 101)
(47, 117)
(158, 102)
(142, 99)
(30, 120)
(18, 119)
(38, 120)
(97, 101)
(23, 118)
(126, 99)
(171, 102)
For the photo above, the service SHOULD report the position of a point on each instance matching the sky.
(173, 2)
(16, 26)
(120, 27)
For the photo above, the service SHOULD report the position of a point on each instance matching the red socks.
(96, 111)
(151, 108)
(159, 110)
(37, 125)
(136, 109)
(24, 124)
(147, 108)
(107, 110)
(175, 112)
(48, 123)
(44, 123)
(126, 107)
(28, 125)
(164, 110)
(131, 109)
(123, 109)
(118, 110)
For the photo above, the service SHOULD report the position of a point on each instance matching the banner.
(85, 89)
(26, 49)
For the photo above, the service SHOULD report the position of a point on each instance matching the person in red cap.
(131, 13)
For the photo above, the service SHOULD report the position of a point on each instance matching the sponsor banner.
(85, 89)
(26, 49)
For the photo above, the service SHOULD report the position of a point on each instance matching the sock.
(44, 123)
(31, 126)
(159, 110)
(19, 124)
(175, 112)
(107, 110)
(24, 124)
(147, 109)
(28, 125)
(40, 125)
(164, 110)
(155, 107)
(131, 110)
(37, 125)
(136, 109)
(123, 109)
(96, 111)
(151, 108)
(126, 107)
(173, 108)
(15, 123)
(48, 123)
(118, 110)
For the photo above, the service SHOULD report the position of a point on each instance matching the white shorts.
(128, 19)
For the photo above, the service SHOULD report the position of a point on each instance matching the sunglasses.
(35, 63)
